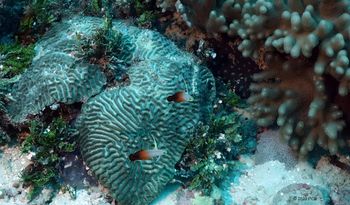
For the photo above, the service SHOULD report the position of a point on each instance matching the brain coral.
(55, 75)
(305, 45)
(123, 119)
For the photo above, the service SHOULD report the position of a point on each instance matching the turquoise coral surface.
(91, 65)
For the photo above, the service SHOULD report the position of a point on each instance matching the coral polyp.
(301, 105)
(305, 49)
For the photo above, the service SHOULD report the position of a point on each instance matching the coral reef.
(47, 143)
(304, 45)
(115, 8)
(143, 117)
(38, 16)
(212, 154)
(5, 84)
(56, 75)
(15, 58)
(165, 5)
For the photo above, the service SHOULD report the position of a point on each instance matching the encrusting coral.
(305, 46)
(120, 119)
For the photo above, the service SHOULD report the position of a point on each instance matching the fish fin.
(155, 143)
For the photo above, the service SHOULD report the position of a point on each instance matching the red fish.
(180, 96)
(146, 154)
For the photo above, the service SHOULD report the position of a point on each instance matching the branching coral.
(305, 45)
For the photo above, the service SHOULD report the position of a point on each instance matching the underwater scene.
(174, 102)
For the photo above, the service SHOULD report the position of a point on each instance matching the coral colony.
(115, 84)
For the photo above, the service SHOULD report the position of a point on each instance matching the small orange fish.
(146, 154)
(180, 96)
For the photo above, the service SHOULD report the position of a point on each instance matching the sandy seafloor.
(273, 177)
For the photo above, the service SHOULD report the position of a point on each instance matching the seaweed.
(47, 143)
(104, 44)
(15, 58)
(37, 17)
(145, 12)
(214, 151)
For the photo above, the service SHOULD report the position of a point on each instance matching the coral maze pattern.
(124, 119)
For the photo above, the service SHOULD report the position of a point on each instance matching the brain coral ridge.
(305, 45)
(121, 120)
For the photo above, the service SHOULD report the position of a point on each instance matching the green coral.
(47, 143)
(15, 58)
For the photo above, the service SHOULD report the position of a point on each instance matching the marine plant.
(104, 45)
(304, 46)
(15, 58)
(214, 151)
(37, 17)
(145, 13)
(116, 8)
(47, 142)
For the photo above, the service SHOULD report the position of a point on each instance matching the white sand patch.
(260, 184)
(12, 193)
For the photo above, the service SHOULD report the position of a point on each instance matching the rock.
(301, 194)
